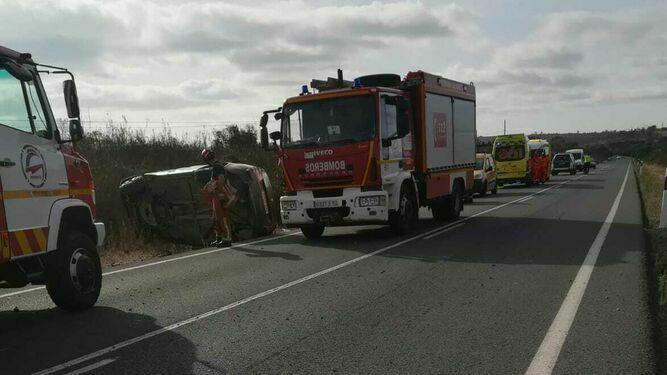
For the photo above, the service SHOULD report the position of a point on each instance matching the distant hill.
(648, 143)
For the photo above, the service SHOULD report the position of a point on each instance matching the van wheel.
(405, 219)
(74, 273)
(312, 231)
(484, 189)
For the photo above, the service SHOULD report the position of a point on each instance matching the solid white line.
(437, 231)
(265, 293)
(94, 366)
(546, 356)
(151, 264)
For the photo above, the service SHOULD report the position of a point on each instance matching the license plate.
(325, 204)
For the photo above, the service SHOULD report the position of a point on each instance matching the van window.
(510, 152)
(13, 112)
(561, 157)
(479, 163)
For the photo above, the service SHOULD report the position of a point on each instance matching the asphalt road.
(516, 284)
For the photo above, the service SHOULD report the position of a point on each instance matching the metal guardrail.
(663, 214)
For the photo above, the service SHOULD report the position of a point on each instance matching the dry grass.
(651, 180)
(118, 153)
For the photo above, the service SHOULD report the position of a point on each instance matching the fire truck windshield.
(329, 121)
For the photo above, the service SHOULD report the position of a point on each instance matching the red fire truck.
(374, 150)
(48, 234)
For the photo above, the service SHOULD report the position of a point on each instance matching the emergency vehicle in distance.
(374, 151)
(542, 144)
(48, 234)
(512, 156)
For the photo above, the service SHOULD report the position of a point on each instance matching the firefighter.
(221, 196)
(539, 163)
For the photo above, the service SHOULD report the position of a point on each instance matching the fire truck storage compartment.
(449, 132)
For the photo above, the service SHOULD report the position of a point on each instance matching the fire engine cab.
(48, 234)
(374, 150)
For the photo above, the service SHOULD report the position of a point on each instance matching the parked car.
(563, 162)
(170, 203)
(485, 175)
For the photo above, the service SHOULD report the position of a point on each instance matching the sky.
(543, 66)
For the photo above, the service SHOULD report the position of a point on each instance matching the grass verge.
(651, 180)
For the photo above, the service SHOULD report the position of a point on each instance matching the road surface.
(531, 280)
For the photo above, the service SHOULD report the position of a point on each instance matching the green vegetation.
(119, 152)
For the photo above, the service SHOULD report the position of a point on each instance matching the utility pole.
(504, 127)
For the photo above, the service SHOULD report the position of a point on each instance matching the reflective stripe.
(23, 243)
(26, 242)
(27, 194)
(40, 236)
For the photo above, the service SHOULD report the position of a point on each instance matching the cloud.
(190, 58)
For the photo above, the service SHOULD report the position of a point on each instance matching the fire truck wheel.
(404, 220)
(312, 231)
(74, 273)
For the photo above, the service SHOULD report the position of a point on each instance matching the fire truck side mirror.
(276, 136)
(75, 130)
(71, 99)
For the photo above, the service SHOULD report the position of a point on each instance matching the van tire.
(484, 189)
(312, 231)
(405, 218)
(74, 273)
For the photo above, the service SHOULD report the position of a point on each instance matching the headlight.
(288, 205)
(373, 200)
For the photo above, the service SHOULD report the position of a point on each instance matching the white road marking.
(94, 366)
(265, 293)
(151, 264)
(546, 356)
(437, 231)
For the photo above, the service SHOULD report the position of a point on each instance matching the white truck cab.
(48, 234)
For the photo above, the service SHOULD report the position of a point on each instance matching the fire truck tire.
(405, 219)
(455, 205)
(74, 273)
(312, 231)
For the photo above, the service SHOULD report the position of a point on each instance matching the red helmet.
(207, 155)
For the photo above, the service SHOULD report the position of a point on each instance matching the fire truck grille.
(326, 181)
(327, 193)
